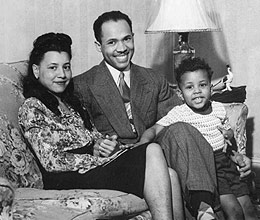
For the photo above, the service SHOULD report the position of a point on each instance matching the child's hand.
(245, 170)
(243, 163)
(238, 158)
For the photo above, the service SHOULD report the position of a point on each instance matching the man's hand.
(105, 146)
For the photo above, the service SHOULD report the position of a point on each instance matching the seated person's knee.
(154, 149)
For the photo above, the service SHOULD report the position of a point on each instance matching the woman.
(62, 137)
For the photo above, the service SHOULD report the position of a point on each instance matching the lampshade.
(184, 16)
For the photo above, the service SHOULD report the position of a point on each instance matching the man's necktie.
(125, 93)
(123, 88)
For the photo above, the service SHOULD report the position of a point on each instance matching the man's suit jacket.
(151, 99)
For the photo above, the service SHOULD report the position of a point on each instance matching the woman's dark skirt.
(126, 173)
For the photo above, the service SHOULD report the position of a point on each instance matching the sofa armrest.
(237, 115)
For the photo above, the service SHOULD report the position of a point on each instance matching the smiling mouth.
(61, 83)
(198, 99)
(122, 57)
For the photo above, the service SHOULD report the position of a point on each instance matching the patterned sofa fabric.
(17, 163)
(6, 200)
(237, 115)
(76, 204)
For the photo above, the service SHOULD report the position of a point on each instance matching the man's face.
(117, 44)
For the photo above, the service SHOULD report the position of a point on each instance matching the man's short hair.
(109, 16)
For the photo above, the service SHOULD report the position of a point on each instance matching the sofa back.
(17, 163)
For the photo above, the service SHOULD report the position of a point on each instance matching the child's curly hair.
(192, 64)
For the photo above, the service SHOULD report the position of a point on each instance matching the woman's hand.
(105, 146)
(125, 146)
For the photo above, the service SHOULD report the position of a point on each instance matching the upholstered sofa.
(19, 168)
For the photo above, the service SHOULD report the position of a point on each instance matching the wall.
(244, 50)
(241, 31)
(238, 44)
(22, 21)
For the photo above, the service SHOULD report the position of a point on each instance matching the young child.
(194, 80)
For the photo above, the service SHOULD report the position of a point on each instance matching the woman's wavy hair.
(59, 42)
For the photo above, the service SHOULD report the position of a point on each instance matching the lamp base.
(183, 50)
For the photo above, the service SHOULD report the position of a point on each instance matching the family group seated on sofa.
(120, 126)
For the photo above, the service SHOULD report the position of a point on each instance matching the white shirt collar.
(115, 74)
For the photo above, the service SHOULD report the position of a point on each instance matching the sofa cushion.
(76, 204)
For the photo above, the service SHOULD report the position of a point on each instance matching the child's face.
(196, 88)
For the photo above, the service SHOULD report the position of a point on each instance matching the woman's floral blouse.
(51, 136)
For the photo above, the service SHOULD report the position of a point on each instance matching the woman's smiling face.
(54, 71)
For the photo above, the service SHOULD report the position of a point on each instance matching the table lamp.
(182, 17)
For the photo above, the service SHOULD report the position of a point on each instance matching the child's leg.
(248, 208)
(231, 207)
(233, 191)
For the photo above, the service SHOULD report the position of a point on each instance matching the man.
(127, 107)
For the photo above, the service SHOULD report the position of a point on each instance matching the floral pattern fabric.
(51, 137)
(17, 164)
